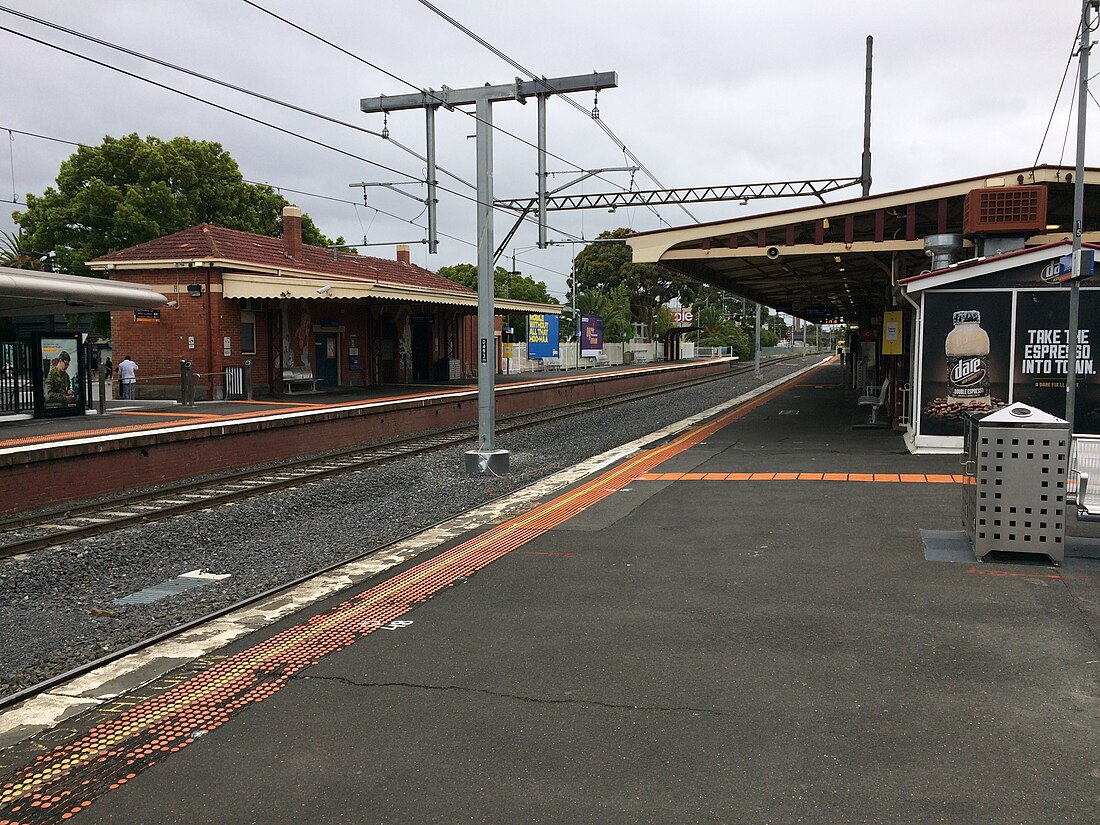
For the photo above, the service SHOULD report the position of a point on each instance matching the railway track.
(40, 530)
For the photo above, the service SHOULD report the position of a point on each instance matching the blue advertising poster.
(542, 336)
(591, 336)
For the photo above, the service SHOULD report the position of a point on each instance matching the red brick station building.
(303, 316)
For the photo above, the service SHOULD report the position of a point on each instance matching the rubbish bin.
(1014, 500)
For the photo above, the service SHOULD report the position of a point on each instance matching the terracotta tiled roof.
(207, 241)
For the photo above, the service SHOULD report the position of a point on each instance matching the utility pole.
(1078, 208)
(865, 171)
(486, 458)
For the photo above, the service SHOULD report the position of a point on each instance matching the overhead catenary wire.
(536, 78)
(226, 84)
(411, 85)
(1058, 97)
(256, 120)
(279, 188)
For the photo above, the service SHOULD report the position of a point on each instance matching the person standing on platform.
(127, 377)
(840, 353)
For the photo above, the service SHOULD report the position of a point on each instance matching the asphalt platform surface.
(731, 648)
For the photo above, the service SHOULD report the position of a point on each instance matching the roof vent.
(944, 249)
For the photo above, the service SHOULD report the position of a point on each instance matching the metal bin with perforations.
(1017, 462)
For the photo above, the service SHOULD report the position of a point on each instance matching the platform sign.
(891, 333)
(542, 336)
(591, 336)
(683, 316)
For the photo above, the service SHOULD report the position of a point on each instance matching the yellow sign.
(508, 350)
(891, 333)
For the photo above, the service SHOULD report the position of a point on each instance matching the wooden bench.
(552, 363)
(299, 379)
(641, 358)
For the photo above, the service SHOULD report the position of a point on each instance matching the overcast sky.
(710, 92)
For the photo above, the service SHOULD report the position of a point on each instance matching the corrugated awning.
(246, 285)
(28, 292)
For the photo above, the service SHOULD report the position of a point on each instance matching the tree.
(16, 253)
(613, 307)
(130, 190)
(605, 266)
(505, 285)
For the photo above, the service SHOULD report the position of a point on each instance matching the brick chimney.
(292, 231)
(403, 253)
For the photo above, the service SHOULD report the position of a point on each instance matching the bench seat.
(298, 380)
(552, 363)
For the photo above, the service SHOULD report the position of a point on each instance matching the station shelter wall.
(357, 342)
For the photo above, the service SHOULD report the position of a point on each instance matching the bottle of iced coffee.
(967, 349)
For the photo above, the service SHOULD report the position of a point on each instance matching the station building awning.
(247, 285)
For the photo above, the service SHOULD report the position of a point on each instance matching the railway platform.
(735, 621)
(148, 443)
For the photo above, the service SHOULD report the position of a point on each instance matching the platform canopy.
(28, 292)
(842, 261)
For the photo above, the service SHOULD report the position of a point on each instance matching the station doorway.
(326, 359)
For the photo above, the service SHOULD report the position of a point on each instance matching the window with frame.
(248, 333)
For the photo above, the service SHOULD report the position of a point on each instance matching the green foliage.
(663, 321)
(130, 190)
(516, 286)
(605, 267)
(613, 307)
(16, 253)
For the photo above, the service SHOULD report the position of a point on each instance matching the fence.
(16, 378)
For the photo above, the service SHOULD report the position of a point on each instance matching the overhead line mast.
(486, 458)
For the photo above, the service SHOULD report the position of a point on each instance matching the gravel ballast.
(59, 606)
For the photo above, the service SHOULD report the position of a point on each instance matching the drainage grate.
(172, 587)
(788, 412)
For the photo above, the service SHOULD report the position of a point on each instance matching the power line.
(1057, 98)
(413, 86)
(228, 85)
(314, 141)
(593, 114)
(278, 188)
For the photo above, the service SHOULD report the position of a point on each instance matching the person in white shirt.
(127, 375)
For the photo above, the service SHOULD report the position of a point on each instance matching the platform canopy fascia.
(29, 292)
(241, 285)
(843, 260)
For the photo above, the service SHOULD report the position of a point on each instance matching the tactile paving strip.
(64, 781)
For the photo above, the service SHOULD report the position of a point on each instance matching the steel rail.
(66, 524)
(54, 681)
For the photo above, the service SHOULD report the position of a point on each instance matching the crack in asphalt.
(517, 697)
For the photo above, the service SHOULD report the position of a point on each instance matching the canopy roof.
(842, 260)
(28, 292)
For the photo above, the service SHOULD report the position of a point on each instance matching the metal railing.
(16, 377)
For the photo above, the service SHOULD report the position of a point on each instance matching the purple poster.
(591, 336)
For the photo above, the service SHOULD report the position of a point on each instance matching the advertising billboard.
(542, 336)
(591, 336)
(961, 369)
(61, 368)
